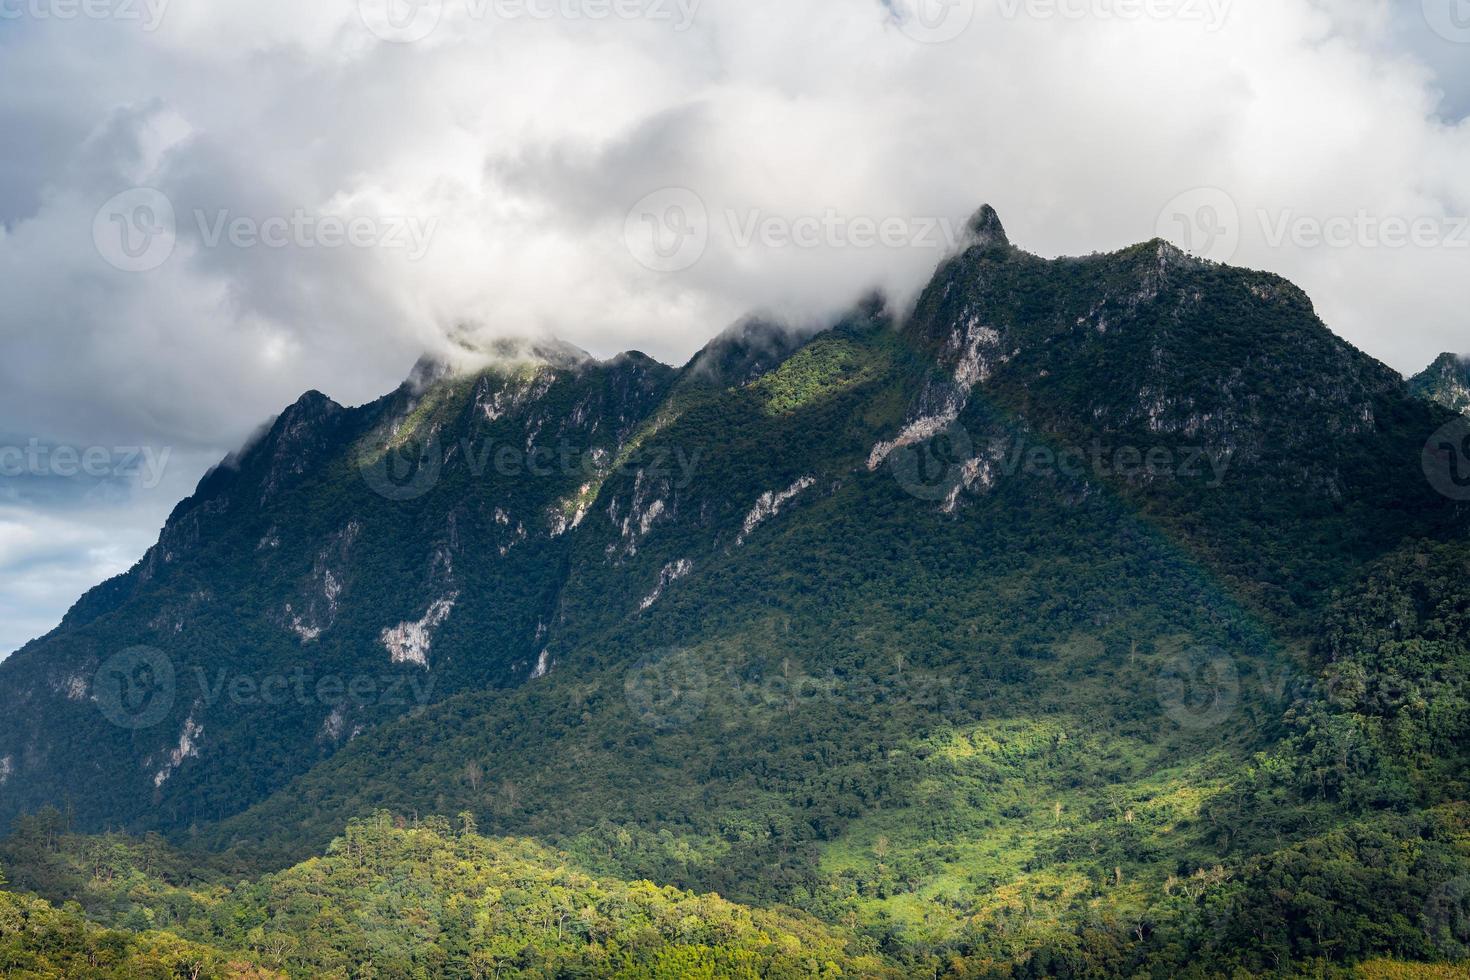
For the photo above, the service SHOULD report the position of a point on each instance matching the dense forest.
(1095, 618)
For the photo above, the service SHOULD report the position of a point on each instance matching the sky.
(208, 207)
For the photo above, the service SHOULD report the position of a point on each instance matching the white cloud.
(61, 535)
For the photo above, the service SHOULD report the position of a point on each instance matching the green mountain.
(301, 594)
(1094, 617)
(390, 898)
(1446, 381)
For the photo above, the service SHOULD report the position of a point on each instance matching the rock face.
(423, 533)
(986, 231)
(770, 504)
(1446, 381)
(528, 513)
(408, 643)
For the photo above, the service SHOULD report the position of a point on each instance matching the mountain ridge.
(980, 328)
(818, 619)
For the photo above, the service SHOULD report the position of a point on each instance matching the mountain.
(411, 899)
(1052, 627)
(343, 546)
(743, 353)
(1446, 381)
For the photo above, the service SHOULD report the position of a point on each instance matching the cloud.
(48, 562)
(72, 516)
(795, 156)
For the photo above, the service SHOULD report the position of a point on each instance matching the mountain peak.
(745, 351)
(311, 403)
(985, 229)
(464, 355)
(1446, 381)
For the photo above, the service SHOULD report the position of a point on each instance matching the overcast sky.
(209, 206)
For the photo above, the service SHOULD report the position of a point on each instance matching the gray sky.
(179, 177)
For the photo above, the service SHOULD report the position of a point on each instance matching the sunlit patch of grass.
(1394, 970)
(817, 372)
